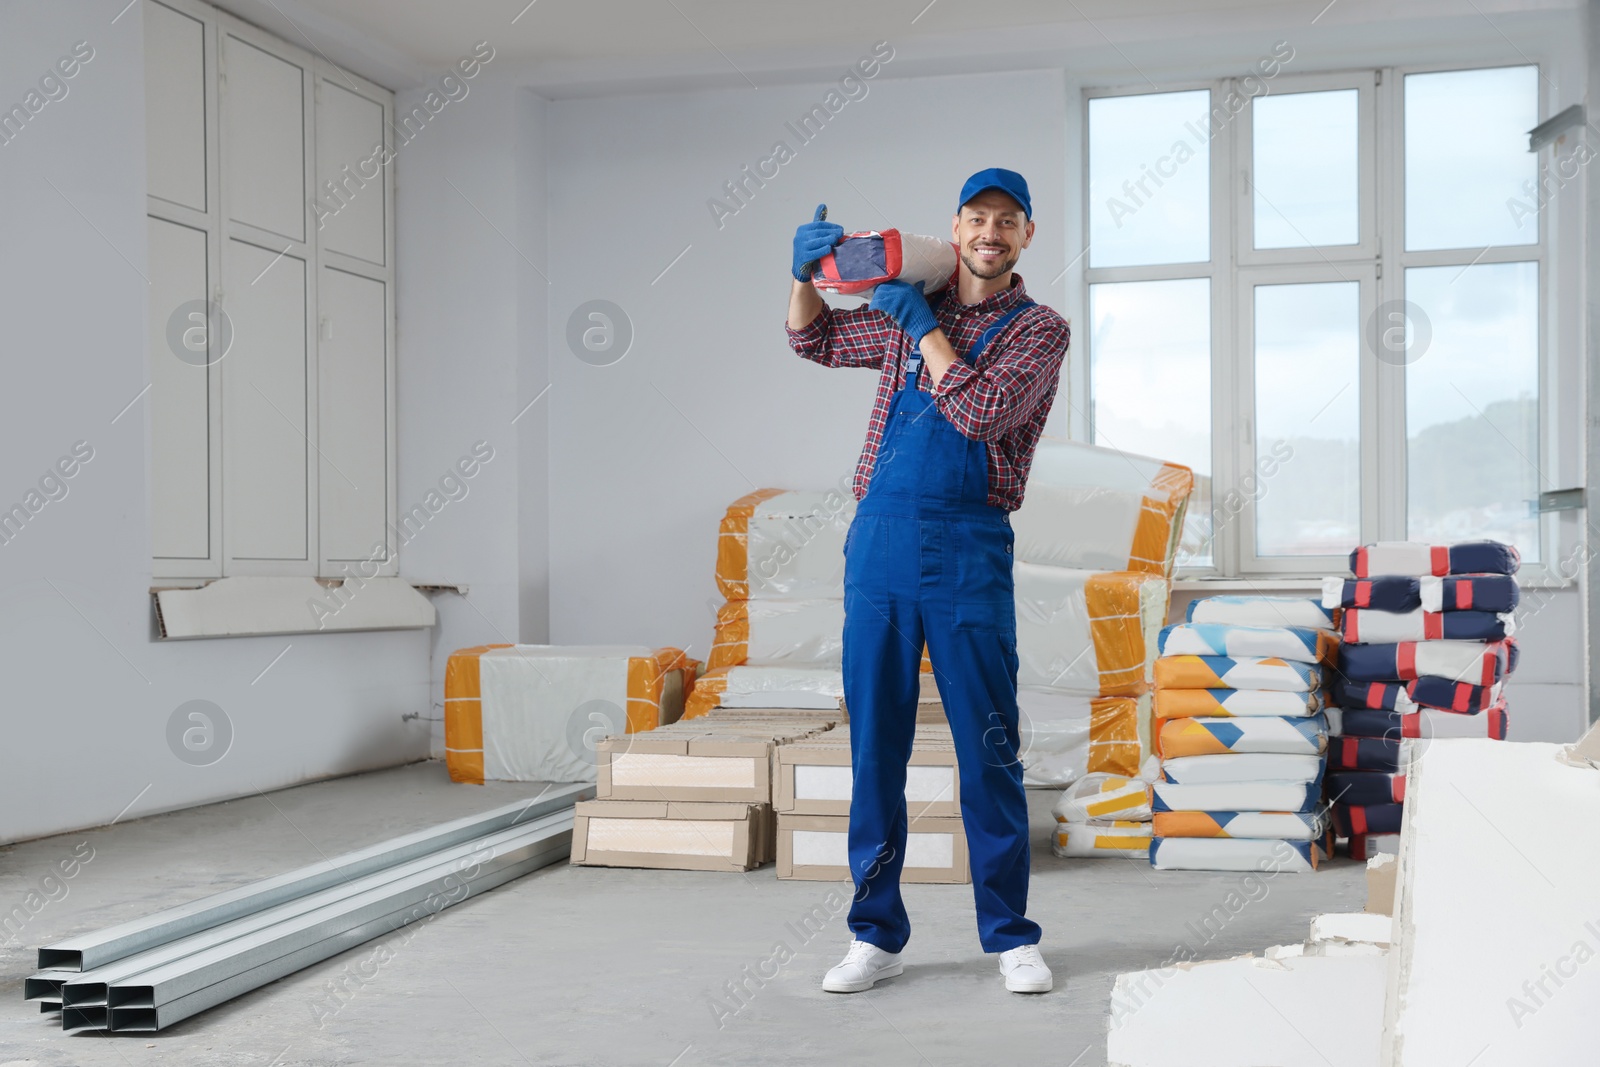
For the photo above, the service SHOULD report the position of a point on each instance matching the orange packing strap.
(730, 645)
(1156, 531)
(1116, 626)
(1114, 746)
(707, 694)
(733, 544)
(647, 680)
(463, 714)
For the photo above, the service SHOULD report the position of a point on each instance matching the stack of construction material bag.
(811, 792)
(1094, 548)
(1096, 538)
(1241, 735)
(695, 795)
(1427, 644)
(780, 570)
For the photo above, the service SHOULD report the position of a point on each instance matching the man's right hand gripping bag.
(863, 260)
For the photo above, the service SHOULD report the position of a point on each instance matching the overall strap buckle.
(913, 366)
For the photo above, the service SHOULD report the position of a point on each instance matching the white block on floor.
(1497, 931)
(1292, 1011)
(1352, 928)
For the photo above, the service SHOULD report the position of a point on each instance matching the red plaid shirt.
(1003, 401)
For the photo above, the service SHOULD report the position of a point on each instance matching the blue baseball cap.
(1009, 182)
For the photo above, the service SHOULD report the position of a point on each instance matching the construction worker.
(964, 387)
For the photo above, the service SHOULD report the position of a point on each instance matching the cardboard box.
(715, 758)
(1381, 877)
(686, 836)
(815, 848)
(813, 776)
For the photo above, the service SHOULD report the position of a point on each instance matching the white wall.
(466, 364)
(710, 403)
(88, 690)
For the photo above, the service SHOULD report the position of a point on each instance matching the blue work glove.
(905, 304)
(812, 241)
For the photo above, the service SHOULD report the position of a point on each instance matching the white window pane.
(1150, 179)
(1472, 404)
(1150, 369)
(1304, 175)
(1468, 167)
(1307, 477)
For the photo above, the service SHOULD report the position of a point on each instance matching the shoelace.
(1027, 956)
(860, 952)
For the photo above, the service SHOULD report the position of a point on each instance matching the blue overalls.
(927, 558)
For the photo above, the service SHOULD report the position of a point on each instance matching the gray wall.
(710, 403)
(88, 691)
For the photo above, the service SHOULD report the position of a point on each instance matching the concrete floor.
(592, 966)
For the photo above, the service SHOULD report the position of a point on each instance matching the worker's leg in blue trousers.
(970, 624)
(882, 659)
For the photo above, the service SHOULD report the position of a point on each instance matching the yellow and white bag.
(1098, 797)
(1094, 839)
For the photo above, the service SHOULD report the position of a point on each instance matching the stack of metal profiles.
(149, 973)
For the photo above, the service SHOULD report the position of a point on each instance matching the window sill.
(253, 607)
(1245, 585)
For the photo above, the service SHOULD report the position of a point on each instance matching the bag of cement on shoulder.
(862, 260)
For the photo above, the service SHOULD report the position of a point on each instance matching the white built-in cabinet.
(271, 330)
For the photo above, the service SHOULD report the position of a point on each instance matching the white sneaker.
(861, 967)
(1025, 970)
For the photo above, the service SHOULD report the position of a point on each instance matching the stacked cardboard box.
(1241, 735)
(1427, 644)
(811, 793)
(693, 795)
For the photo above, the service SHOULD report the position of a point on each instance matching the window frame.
(1378, 263)
(1364, 276)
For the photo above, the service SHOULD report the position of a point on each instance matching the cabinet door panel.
(175, 106)
(353, 412)
(350, 173)
(265, 401)
(180, 410)
(264, 140)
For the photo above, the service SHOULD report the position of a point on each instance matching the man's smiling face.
(991, 230)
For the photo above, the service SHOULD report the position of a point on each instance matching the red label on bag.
(1406, 660)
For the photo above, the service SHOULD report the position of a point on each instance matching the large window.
(271, 322)
(1326, 294)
